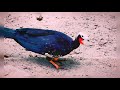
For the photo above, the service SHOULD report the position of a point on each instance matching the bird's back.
(43, 41)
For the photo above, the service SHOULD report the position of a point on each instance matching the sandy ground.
(98, 58)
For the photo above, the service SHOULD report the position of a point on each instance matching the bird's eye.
(82, 36)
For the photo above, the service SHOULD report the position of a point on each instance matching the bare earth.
(98, 58)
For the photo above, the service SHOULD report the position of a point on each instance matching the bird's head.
(82, 37)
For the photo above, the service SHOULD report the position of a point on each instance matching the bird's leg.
(55, 59)
(54, 64)
(51, 60)
(50, 57)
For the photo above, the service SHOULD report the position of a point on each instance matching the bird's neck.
(75, 43)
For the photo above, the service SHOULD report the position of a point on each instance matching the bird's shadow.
(65, 63)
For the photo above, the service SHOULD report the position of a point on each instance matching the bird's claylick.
(51, 43)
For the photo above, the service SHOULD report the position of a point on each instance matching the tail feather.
(7, 32)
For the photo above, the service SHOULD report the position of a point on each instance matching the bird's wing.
(35, 32)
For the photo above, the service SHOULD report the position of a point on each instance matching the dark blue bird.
(50, 43)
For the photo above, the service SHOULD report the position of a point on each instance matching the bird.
(50, 43)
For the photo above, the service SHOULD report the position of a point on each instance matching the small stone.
(40, 18)
(6, 56)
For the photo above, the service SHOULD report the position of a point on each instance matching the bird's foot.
(54, 64)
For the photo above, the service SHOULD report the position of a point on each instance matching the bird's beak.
(81, 41)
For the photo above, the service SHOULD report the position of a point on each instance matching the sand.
(98, 58)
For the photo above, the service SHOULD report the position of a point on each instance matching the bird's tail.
(7, 32)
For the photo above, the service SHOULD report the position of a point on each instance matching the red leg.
(55, 59)
(54, 64)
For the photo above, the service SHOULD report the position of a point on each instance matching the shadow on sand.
(65, 63)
